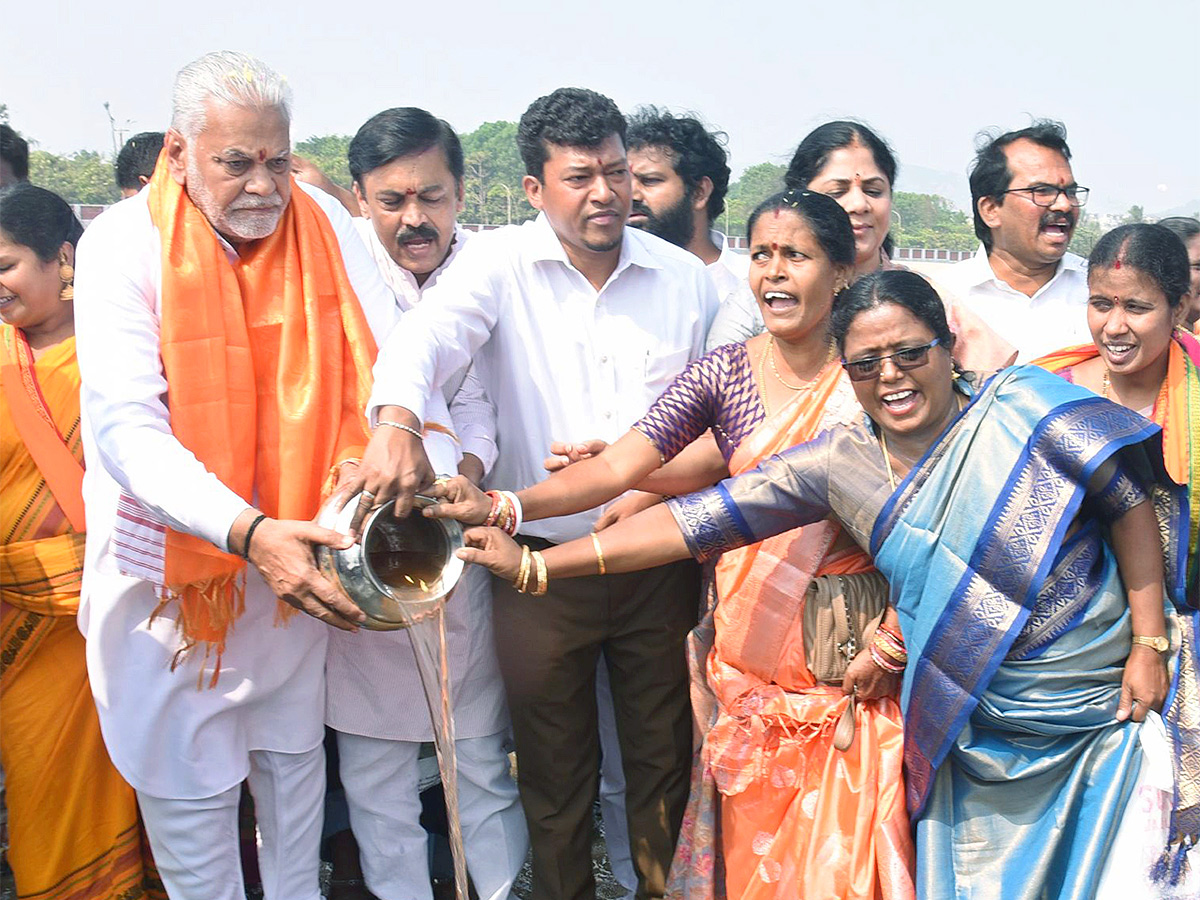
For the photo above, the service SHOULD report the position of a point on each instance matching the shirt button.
(604, 359)
(608, 415)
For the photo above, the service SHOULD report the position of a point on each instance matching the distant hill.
(922, 180)
(1191, 208)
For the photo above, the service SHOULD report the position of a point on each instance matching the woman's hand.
(461, 500)
(1144, 685)
(494, 550)
(871, 681)
(631, 504)
(566, 454)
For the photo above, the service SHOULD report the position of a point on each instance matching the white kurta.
(168, 737)
(373, 685)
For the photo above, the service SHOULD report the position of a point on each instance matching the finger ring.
(368, 495)
(441, 479)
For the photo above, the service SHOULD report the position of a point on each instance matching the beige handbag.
(838, 612)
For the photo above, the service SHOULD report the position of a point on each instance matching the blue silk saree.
(1013, 612)
(1017, 628)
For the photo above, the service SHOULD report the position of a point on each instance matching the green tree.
(494, 171)
(1135, 214)
(1087, 232)
(328, 153)
(930, 220)
(756, 185)
(80, 177)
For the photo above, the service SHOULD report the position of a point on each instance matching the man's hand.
(492, 549)
(461, 500)
(282, 551)
(393, 466)
(631, 504)
(1144, 684)
(565, 454)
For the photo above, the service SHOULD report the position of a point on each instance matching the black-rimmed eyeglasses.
(1046, 195)
(909, 358)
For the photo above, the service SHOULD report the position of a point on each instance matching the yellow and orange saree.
(73, 821)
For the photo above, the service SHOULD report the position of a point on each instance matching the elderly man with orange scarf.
(226, 326)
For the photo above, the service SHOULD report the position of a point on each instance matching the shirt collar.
(981, 272)
(547, 246)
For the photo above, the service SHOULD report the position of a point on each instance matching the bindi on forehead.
(775, 245)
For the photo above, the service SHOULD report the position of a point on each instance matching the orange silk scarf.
(268, 365)
(1171, 415)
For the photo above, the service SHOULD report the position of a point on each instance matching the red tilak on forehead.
(777, 214)
(774, 246)
(410, 192)
(262, 156)
(1117, 264)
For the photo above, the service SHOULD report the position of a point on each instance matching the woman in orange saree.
(775, 810)
(73, 821)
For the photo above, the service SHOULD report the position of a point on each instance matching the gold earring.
(66, 273)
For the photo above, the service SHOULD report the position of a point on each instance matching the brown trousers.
(548, 649)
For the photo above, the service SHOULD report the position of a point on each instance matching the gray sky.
(927, 75)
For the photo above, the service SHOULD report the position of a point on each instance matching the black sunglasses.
(910, 358)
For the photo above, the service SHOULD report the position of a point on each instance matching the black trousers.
(549, 648)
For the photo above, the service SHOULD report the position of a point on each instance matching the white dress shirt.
(1054, 317)
(372, 681)
(472, 412)
(738, 318)
(168, 733)
(560, 360)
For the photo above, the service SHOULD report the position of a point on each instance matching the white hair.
(226, 78)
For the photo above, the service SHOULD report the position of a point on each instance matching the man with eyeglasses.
(1022, 294)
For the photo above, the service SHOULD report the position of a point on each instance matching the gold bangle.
(543, 579)
(523, 572)
(599, 552)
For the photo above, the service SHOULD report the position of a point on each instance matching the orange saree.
(793, 817)
(73, 821)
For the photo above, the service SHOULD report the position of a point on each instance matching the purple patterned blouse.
(716, 391)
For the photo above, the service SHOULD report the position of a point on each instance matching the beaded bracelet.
(250, 533)
(402, 427)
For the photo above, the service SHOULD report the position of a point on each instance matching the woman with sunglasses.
(1025, 571)
(771, 797)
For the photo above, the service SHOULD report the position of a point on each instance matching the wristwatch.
(1157, 642)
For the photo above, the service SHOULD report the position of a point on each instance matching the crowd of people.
(827, 579)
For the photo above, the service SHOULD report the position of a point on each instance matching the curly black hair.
(569, 117)
(695, 151)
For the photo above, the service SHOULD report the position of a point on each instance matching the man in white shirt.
(202, 678)
(576, 324)
(1022, 295)
(407, 168)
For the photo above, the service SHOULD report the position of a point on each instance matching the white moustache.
(256, 204)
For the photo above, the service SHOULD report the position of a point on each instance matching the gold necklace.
(770, 355)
